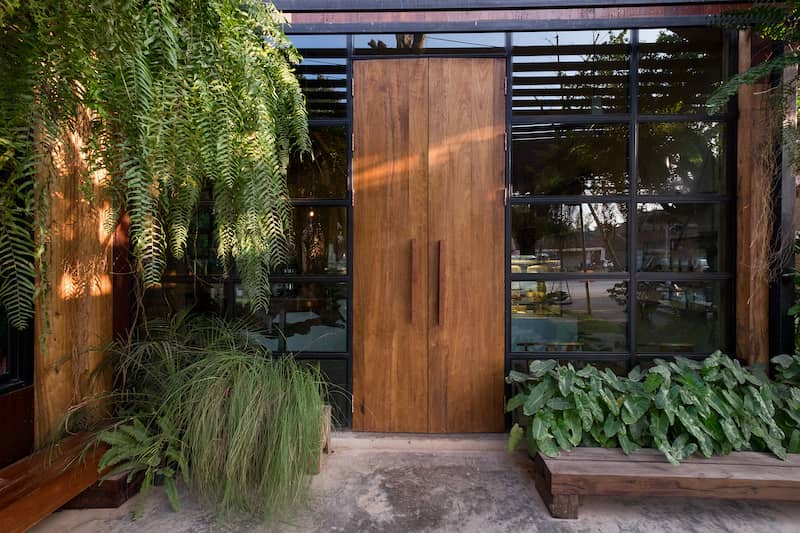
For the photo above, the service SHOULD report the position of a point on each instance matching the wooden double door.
(428, 168)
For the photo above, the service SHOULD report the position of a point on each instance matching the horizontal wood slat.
(608, 472)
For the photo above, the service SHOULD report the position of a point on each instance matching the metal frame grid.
(633, 119)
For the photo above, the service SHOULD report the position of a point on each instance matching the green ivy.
(680, 407)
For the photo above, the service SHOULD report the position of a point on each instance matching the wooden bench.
(37, 485)
(561, 481)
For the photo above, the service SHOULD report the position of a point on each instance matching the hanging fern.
(185, 95)
(775, 20)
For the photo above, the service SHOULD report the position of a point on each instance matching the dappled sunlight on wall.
(75, 322)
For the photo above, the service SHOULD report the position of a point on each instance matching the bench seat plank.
(655, 456)
(608, 472)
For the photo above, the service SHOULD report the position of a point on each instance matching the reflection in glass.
(334, 372)
(681, 237)
(320, 241)
(569, 316)
(173, 296)
(567, 159)
(305, 317)
(568, 238)
(570, 72)
(428, 43)
(679, 68)
(323, 74)
(682, 157)
(325, 174)
(682, 317)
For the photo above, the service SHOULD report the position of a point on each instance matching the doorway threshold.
(419, 442)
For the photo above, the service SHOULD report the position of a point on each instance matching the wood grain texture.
(465, 206)
(533, 14)
(79, 303)
(390, 124)
(36, 486)
(428, 170)
(752, 224)
(603, 472)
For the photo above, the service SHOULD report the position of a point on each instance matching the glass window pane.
(682, 238)
(683, 317)
(334, 372)
(569, 316)
(682, 158)
(175, 296)
(320, 241)
(5, 345)
(679, 68)
(570, 72)
(325, 174)
(323, 74)
(568, 238)
(307, 317)
(569, 159)
(428, 43)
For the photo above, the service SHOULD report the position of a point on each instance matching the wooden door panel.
(465, 230)
(390, 344)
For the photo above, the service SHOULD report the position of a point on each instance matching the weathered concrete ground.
(408, 485)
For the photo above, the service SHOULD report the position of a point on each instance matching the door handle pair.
(440, 248)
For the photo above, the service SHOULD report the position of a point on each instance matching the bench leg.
(564, 505)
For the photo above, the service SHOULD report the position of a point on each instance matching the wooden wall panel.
(390, 125)
(753, 226)
(476, 16)
(75, 321)
(466, 168)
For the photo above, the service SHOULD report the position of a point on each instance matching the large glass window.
(620, 207)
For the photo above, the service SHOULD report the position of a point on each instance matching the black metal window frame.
(633, 119)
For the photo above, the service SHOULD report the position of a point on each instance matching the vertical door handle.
(412, 280)
(440, 286)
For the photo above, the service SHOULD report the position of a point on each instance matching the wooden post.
(753, 227)
(73, 322)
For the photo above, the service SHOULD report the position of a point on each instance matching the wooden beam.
(753, 223)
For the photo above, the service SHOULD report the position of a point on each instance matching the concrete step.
(418, 442)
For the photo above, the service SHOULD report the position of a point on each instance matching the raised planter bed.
(561, 481)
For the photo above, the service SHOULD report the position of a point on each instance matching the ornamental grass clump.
(680, 407)
(203, 398)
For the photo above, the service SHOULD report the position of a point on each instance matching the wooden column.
(754, 233)
(74, 323)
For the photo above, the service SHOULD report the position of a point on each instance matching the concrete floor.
(423, 484)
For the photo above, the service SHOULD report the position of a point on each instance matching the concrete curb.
(411, 442)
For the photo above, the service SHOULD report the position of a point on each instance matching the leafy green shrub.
(202, 397)
(680, 407)
(787, 386)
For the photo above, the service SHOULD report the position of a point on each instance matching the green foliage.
(203, 398)
(184, 95)
(775, 20)
(680, 407)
